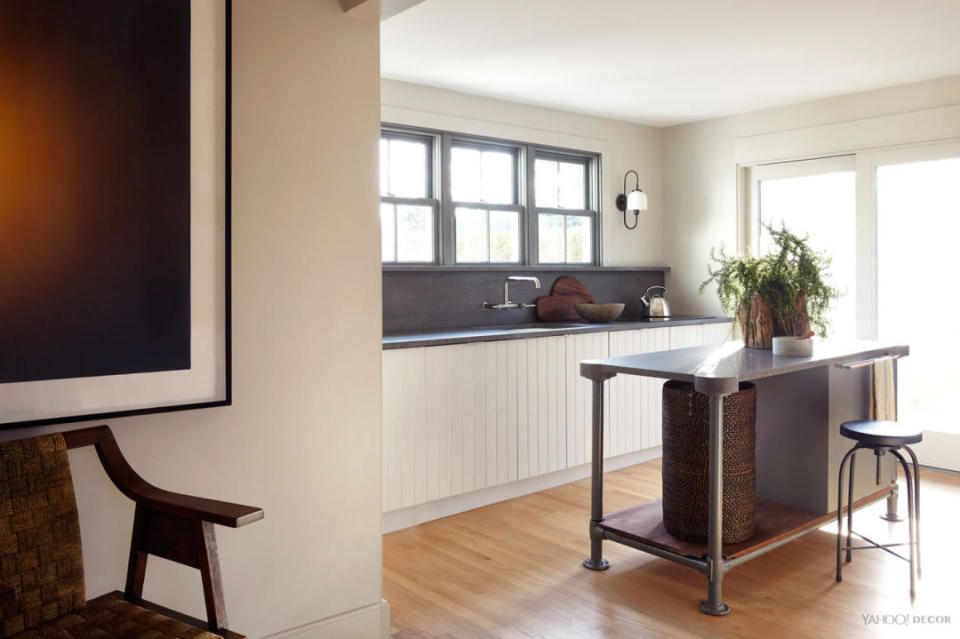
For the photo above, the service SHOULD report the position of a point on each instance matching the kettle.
(655, 303)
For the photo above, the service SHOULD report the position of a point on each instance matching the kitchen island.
(800, 404)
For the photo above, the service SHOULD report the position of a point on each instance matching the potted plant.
(782, 293)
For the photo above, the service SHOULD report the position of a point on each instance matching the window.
(565, 221)
(918, 220)
(491, 201)
(483, 187)
(408, 210)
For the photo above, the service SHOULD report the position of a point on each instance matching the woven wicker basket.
(686, 448)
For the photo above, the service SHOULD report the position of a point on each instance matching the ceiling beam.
(376, 10)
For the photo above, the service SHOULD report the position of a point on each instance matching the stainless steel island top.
(718, 370)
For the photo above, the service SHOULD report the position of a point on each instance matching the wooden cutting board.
(560, 308)
(566, 285)
(560, 305)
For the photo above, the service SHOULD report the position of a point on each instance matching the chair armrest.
(142, 492)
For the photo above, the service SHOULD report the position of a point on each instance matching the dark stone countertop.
(444, 336)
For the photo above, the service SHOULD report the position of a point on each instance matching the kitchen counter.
(444, 336)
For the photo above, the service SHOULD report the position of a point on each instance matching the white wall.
(624, 146)
(700, 180)
(302, 439)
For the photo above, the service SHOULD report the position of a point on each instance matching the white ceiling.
(663, 62)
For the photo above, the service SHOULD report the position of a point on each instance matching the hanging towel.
(883, 392)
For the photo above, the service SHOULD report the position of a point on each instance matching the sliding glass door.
(891, 222)
(917, 208)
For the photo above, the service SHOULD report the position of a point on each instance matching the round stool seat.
(870, 432)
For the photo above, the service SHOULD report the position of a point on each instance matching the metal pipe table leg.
(596, 561)
(714, 604)
(892, 513)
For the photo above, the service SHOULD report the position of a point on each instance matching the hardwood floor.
(513, 570)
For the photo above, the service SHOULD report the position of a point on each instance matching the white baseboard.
(384, 619)
(406, 517)
(368, 622)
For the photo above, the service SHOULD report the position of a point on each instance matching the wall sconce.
(634, 202)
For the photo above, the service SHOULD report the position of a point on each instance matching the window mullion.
(389, 172)
(396, 235)
(486, 232)
(531, 255)
(566, 259)
(448, 224)
(596, 196)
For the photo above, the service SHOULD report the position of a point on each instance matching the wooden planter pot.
(759, 325)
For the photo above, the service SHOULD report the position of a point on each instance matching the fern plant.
(791, 280)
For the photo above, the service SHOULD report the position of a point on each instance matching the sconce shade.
(637, 201)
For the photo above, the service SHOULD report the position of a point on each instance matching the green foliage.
(792, 270)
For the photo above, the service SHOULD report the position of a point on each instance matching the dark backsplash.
(428, 299)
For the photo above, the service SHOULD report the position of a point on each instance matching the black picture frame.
(227, 360)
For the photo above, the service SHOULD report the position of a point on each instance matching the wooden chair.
(41, 561)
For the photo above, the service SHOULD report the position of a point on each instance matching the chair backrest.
(40, 552)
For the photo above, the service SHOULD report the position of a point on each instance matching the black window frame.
(525, 155)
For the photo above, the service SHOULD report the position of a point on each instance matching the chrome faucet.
(507, 304)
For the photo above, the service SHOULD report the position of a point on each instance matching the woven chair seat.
(111, 618)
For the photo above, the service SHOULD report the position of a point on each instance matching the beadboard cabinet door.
(579, 394)
(404, 428)
(686, 336)
(541, 424)
(635, 406)
(518, 399)
(718, 333)
(470, 416)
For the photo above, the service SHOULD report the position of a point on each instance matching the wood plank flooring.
(513, 570)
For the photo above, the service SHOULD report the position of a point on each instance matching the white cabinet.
(461, 418)
(470, 416)
(517, 406)
(579, 395)
(684, 336)
(700, 334)
(541, 416)
(633, 421)
(404, 428)
(718, 333)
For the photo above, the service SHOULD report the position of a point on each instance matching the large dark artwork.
(94, 188)
(95, 194)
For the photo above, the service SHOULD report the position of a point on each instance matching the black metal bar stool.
(881, 437)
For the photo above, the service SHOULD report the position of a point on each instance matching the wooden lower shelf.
(644, 523)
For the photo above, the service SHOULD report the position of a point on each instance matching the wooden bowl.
(599, 312)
